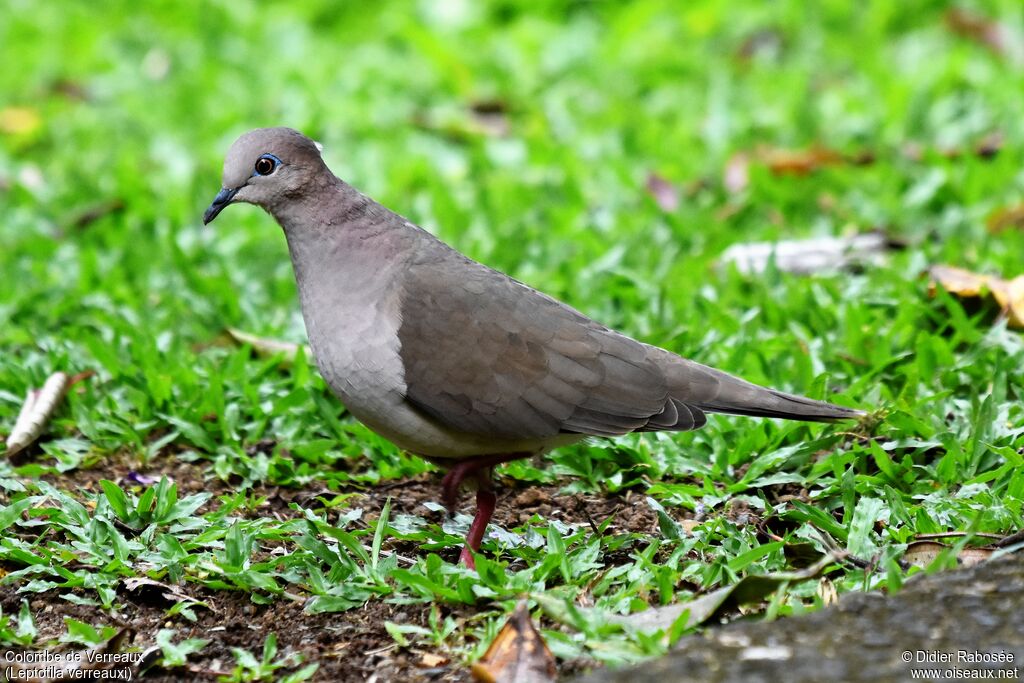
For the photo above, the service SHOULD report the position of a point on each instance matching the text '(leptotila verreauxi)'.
(454, 361)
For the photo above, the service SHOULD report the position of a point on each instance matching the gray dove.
(454, 361)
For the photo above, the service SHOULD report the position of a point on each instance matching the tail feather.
(787, 407)
(739, 397)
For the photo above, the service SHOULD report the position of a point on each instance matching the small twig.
(1012, 539)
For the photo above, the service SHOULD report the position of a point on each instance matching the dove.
(454, 361)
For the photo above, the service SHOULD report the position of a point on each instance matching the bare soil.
(349, 646)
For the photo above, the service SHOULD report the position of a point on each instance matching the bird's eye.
(266, 165)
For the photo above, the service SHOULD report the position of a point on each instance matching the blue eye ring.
(266, 164)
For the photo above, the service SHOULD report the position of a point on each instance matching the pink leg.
(485, 501)
(480, 468)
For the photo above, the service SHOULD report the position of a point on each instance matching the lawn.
(216, 509)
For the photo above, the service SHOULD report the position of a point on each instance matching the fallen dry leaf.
(923, 553)
(827, 592)
(1009, 294)
(751, 588)
(814, 255)
(38, 408)
(1006, 218)
(517, 655)
(268, 347)
(430, 660)
(688, 525)
(979, 29)
(92, 213)
(665, 194)
(801, 161)
(959, 281)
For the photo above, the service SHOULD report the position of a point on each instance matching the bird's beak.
(222, 199)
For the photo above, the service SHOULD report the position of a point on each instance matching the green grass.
(137, 105)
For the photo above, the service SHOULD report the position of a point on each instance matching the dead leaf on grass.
(804, 162)
(517, 655)
(1005, 218)
(815, 255)
(38, 409)
(965, 284)
(827, 592)
(751, 588)
(999, 38)
(800, 161)
(923, 553)
(264, 346)
(429, 660)
(83, 217)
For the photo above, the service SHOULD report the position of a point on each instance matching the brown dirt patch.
(349, 646)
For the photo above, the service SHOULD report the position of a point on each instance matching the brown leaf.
(1009, 294)
(430, 660)
(517, 655)
(959, 281)
(264, 346)
(827, 592)
(36, 411)
(90, 214)
(688, 525)
(1005, 218)
(751, 588)
(923, 553)
(800, 162)
(665, 194)
(815, 255)
(72, 90)
(974, 26)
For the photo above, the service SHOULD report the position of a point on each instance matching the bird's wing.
(485, 354)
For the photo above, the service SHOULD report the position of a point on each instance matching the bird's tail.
(739, 397)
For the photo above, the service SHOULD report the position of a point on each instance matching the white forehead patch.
(319, 147)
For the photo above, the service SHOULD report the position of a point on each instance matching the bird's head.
(267, 167)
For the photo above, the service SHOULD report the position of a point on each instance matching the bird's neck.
(338, 228)
(347, 252)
